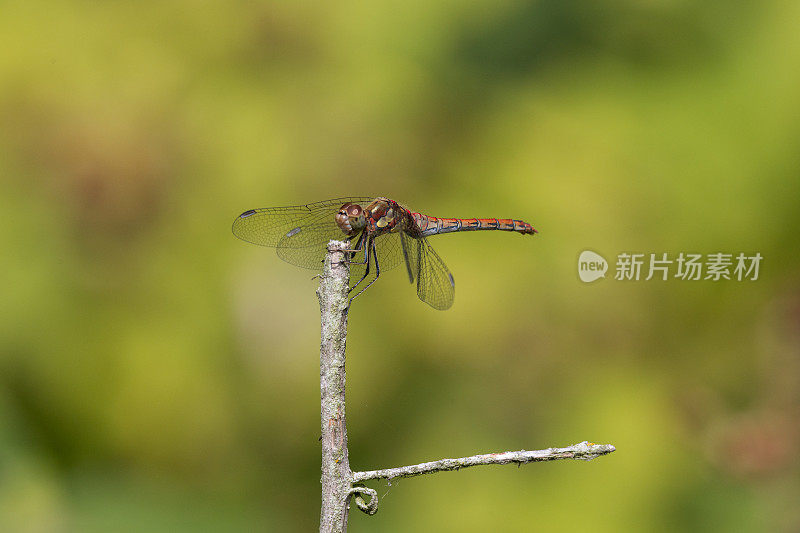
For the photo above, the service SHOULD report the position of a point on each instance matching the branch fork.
(339, 483)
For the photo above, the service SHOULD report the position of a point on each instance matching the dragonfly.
(383, 233)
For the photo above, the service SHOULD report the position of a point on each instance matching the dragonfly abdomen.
(429, 225)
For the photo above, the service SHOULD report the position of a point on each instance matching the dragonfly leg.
(366, 270)
(359, 243)
(370, 249)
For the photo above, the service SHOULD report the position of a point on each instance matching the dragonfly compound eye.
(350, 218)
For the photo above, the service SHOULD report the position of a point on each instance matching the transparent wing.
(387, 246)
(305, 247)
(294, 226)
(298, 232)
(410, 249)
(435, 284)
(389, 252)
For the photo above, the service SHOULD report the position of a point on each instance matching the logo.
(591, 266)
(684, 266)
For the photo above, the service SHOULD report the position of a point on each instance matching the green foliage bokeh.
(156, 374)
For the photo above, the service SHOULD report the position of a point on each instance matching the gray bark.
(336, 474)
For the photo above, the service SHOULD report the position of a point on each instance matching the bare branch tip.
(338, 246)
(586, 451)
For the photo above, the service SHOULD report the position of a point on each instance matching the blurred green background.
(157, 374)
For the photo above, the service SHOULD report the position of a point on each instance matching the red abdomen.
(429, 225)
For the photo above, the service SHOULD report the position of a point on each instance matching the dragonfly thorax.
(384, 216)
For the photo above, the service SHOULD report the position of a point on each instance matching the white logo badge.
(591, 266)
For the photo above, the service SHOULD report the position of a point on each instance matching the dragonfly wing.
(269, 225)
(305, 248)
(305, 245)
(389, 250)
(435, 284)
(410, 249)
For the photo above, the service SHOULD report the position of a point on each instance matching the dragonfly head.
(351, 218)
